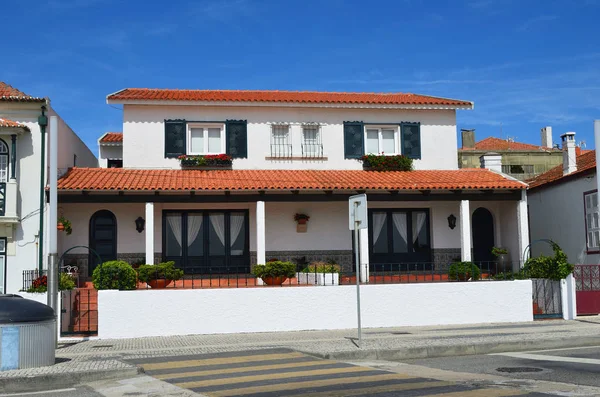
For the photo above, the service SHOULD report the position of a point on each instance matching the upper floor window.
(517, 169)
(114, 163)
(3, 161)
(206, 139)
(381, 139)
(281, 142)
(311, 141)
(592, 221)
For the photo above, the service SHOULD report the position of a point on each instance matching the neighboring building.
(293, 152)
(20, 160)
(563, 206)
(519, 160)
(110, 150)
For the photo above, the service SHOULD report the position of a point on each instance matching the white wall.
(133, 314)
(69, 144)
(107, 152)
(143, 129)
(557, 213)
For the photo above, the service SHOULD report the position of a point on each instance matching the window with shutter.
(353, 140)
(175, 136)
(237, 138)
(411, 140)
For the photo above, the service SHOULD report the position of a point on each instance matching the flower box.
(374, 162)
(209, 161)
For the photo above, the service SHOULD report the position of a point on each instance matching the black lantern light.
(452, 221)
(139, 224)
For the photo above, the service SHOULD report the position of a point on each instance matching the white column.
(363, 237)
(260, 233)
(522, 226)
(149, 230)
(465, 231)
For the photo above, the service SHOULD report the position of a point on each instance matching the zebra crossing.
(283, 372)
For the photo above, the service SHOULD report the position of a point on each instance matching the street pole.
(43, 122)
(357, 259)
(52, 220)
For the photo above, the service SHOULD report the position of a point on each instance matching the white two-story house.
(21, 141)
(293, 153)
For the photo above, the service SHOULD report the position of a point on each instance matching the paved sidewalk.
(103, 359)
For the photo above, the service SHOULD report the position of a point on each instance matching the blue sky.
(525, 63)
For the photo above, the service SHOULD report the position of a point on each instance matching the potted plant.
(463, 271)
(320, 273)
(159, 276)
(275, 272)
(63, 224)
(502, 260)
(301, 218)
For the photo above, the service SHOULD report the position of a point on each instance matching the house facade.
(20, 176)
(522, 161)
(293, 153)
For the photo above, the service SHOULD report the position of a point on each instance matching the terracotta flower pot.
(302, 221)
(60, 226)
(278, 280)
(159, 283)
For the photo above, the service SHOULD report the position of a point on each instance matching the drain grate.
(518, 369)
(102, 346)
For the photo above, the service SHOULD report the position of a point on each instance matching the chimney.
(546, 133)
(569, 156)
(468, 138)
(491, 161)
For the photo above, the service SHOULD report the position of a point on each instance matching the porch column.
(260, 233)
(363, 238)
(465, 231)
(13, 157)
(150, 233)
(522, 227)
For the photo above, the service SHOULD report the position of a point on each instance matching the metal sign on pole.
(357, 215)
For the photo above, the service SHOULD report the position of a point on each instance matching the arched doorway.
(103, 238)
(482, 225)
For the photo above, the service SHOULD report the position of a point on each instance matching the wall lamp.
(452, 221)
(139, 224)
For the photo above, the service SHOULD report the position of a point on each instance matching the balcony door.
(207, 242)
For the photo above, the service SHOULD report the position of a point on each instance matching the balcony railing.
(281, 150)
(2, 198)
(312, 150)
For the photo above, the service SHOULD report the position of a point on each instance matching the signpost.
(357, 215)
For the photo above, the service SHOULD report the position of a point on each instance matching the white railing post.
(149, 230)
(465, 231)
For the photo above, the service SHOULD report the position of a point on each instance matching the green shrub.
(387, 163)
(463, 271)
(275, 269)
(165, 270)
(66, 282)
(554, 267)
(114, 275)
(322, 267)
(497, 251)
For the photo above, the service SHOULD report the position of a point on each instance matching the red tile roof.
(8, 93)
(112, 137)
(586, 162)
(498, 144)
(149, 94)
(114, 179)
(6, 123)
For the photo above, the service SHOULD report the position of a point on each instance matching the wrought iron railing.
(30, 275)
(312, 150)
(587, 277)
(2, 198)
(281, 150)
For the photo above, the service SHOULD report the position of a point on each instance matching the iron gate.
(79, 312)
(547, 298)
(587, 282)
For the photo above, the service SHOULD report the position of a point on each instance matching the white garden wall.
(142, 313)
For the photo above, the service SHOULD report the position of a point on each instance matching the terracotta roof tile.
(112, 137)
(586, 161)
(149, 94)
(114, 179)
(6, 123)
(8, 93)
(498, 144)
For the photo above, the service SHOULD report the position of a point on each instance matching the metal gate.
(587, 282)
(79, 312)
(547, 298)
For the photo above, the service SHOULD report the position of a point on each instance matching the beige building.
(520, 160)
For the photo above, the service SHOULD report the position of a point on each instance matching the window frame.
(379, 128)
(288, 145)
(318, 152)
(205, 127)
(590, 249)
(5, 155)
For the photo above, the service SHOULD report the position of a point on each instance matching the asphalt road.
(578, 366)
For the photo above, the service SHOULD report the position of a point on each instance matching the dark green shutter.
(237, 138)
(354, 138)
(411, 140)
(175, 131)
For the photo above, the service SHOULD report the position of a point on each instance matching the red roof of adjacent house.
(8, 93)
(6, 123)
(151, 94)
(115, 179)
(112, 137)
(498, 144)
(586, 162)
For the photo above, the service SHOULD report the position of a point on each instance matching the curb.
(63, 380)
(456, 350)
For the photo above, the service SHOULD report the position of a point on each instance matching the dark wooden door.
(103, 238)
(482, 225)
